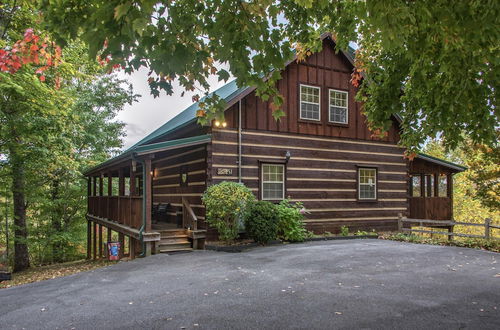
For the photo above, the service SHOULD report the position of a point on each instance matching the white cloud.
(149, 113)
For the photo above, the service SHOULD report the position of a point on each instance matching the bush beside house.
(261, 223)
(226, 206)
(229, 204)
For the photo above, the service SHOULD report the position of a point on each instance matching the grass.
(475, 243)
(36, 274)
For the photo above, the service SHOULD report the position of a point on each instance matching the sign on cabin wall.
(224, 171)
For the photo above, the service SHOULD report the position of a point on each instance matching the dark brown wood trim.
(316, 66)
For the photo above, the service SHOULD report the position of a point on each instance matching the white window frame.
(330, 106)
(367, 184)
(318, 104)
(262, 181)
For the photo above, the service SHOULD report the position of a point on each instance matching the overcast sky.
(149, 113)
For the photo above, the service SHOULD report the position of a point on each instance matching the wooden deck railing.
(434, 208)
(125, 210)
(189, 219)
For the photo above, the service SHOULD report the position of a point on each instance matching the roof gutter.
(441, 162)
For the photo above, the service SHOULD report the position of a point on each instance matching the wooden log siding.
(324, 69)
(322, 173)
(167, 187)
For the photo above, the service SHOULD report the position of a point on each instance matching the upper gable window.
(309, 102)
(338, 112)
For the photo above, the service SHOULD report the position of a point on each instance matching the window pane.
(416, 185)
(309, 111)
(367, 191)
(338, 115)
(309, 102)
(443, 186)
(273, 190)
(338, 107)
(367, 183)
(272, 181)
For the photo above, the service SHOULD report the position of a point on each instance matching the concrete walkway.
(351, 284)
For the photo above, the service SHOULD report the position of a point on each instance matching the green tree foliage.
(227, 206)
(50, 130)
(431, 61)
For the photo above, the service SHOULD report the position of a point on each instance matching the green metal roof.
(441, 162)
(172, 144)
(188, 115)
(153, 147)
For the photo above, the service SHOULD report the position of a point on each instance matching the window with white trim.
(273, 181)
(309, 102)
(367, 183)
(338, 110)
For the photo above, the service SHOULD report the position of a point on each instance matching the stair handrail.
(189, 218)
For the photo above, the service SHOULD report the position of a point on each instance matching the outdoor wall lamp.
(218, 123)
(287, 156)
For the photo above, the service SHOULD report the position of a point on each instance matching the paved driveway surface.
(357, 284)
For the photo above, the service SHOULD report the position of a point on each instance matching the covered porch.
(120, 199)
(431, 188)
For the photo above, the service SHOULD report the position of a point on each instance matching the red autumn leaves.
(34, 50)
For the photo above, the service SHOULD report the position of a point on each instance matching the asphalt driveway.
(357, 284)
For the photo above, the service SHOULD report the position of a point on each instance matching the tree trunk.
(21, 256)
(57, 249)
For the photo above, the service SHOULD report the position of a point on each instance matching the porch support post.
(100, 242)
(89, 239)
(121, 239)
(94, 239)
(94, 186)
(89, 186)
(449, 181)
(422, 185)
(147, 194)
(131, 248)
(121, 183)
(101, 185)
(436, 185)
(109, 239)
(110, 184)
(132, 179)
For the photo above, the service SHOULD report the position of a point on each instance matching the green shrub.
(262, 222)
(291, 224)
(226, 203)
(344, 231)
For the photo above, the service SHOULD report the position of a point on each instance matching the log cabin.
(321, 153)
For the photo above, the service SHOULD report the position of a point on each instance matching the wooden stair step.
(176, 250)
(174, 240)
(174, 245)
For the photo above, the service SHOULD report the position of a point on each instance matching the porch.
(120, 199)
(431, 188)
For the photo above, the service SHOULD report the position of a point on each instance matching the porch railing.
(189, 219)
(434, 208)
(126, 210)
